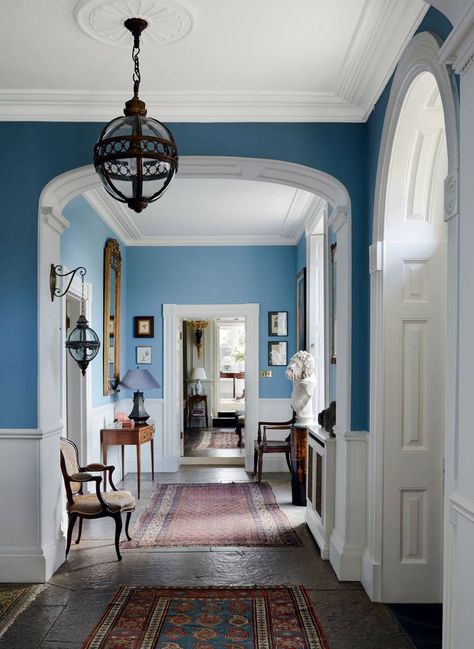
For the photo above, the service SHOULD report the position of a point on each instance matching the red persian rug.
(242, 513)
(205, 438)
(274, 617)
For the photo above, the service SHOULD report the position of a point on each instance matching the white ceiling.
(216, 60)
(218, 211)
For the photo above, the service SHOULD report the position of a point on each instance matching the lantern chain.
(136, 71)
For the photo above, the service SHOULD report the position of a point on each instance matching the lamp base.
(139, 415)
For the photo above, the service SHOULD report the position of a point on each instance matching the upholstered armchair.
(92, 505)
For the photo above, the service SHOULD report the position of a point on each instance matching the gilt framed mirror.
(112, 291)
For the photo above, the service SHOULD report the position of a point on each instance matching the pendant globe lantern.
(136, 156)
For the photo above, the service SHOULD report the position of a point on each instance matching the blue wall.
(301, 254)
(82, 244)
(212, 275)
(337, 149)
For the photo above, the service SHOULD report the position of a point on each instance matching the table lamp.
(198, 374)
(139, 380)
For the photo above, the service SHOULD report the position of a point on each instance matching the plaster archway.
(420, 56)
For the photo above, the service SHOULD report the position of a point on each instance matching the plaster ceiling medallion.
(168, 20)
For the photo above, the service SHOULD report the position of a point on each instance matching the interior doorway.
(414, 349)
(213, 390)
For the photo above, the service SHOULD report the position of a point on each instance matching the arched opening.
(59, 192)
(413, 332)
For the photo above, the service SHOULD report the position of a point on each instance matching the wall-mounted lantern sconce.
(197, 326)
(83, 342)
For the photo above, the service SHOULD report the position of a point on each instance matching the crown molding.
(113, 213)
(269, 240)
(301, 208)
(458, 48)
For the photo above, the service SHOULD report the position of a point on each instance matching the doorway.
(213, 390)
(414, 350)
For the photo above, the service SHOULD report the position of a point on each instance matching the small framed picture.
(143, 355)
(277, 353)
(144, 326)
(278, 323)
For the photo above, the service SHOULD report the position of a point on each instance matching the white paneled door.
(414, 362)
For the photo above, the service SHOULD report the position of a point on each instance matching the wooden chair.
(89, 505)
(264, 445)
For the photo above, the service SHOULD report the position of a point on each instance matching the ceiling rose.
(168, 20)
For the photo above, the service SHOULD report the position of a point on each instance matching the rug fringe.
(29, 599)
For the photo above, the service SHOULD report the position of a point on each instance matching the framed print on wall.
(143, 355)
(301, 310)
(278, 323)
(144, 326)
(277, 352)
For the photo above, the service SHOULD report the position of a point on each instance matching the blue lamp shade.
(139, 380)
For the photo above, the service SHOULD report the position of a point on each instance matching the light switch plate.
(266, 374)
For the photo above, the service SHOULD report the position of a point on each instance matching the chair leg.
(260, 467)
(118, 531)
(288, 461)
(70, 526)
(255, 457)
(80, 530)
(127, 523)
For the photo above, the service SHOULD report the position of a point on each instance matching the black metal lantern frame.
(136, 156)
(83, 343)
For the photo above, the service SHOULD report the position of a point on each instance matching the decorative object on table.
(277, 352)
(143, 355)
(139, 380)
(217, 514)
(83, 342)
(111, 315)
(135, 156)
(144, 326)
(300, 371)
(252, 616)
(14, 599)
(198, 374)
(332, 300)
(301, 309)
(198, 327)
(278, 323)
(327, 418)
(88, 505)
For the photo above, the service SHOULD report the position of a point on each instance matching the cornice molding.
(458, 49)
(54, 220)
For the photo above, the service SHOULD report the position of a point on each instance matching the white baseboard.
(317, 531)
(371, 577)
(31, 564)
(345, 560)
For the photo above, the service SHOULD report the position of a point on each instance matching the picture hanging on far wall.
(301, 310)
(277, 353)
(143, 355)
(278, 323)
(144, 326)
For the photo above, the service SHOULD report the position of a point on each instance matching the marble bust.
(300, 371)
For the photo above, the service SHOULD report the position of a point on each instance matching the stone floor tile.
(30, 627)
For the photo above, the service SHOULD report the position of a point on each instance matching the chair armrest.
(81, 477)
(97, 466)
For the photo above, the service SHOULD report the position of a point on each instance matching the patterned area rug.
(208, 438)
(275, 617)
(242, 513)
(14, 598)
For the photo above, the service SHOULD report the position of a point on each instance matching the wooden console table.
(113, 435)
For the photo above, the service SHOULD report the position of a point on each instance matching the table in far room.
(115, 435)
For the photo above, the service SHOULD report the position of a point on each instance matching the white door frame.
(85, 395)
(173, 314)
(420, 56)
